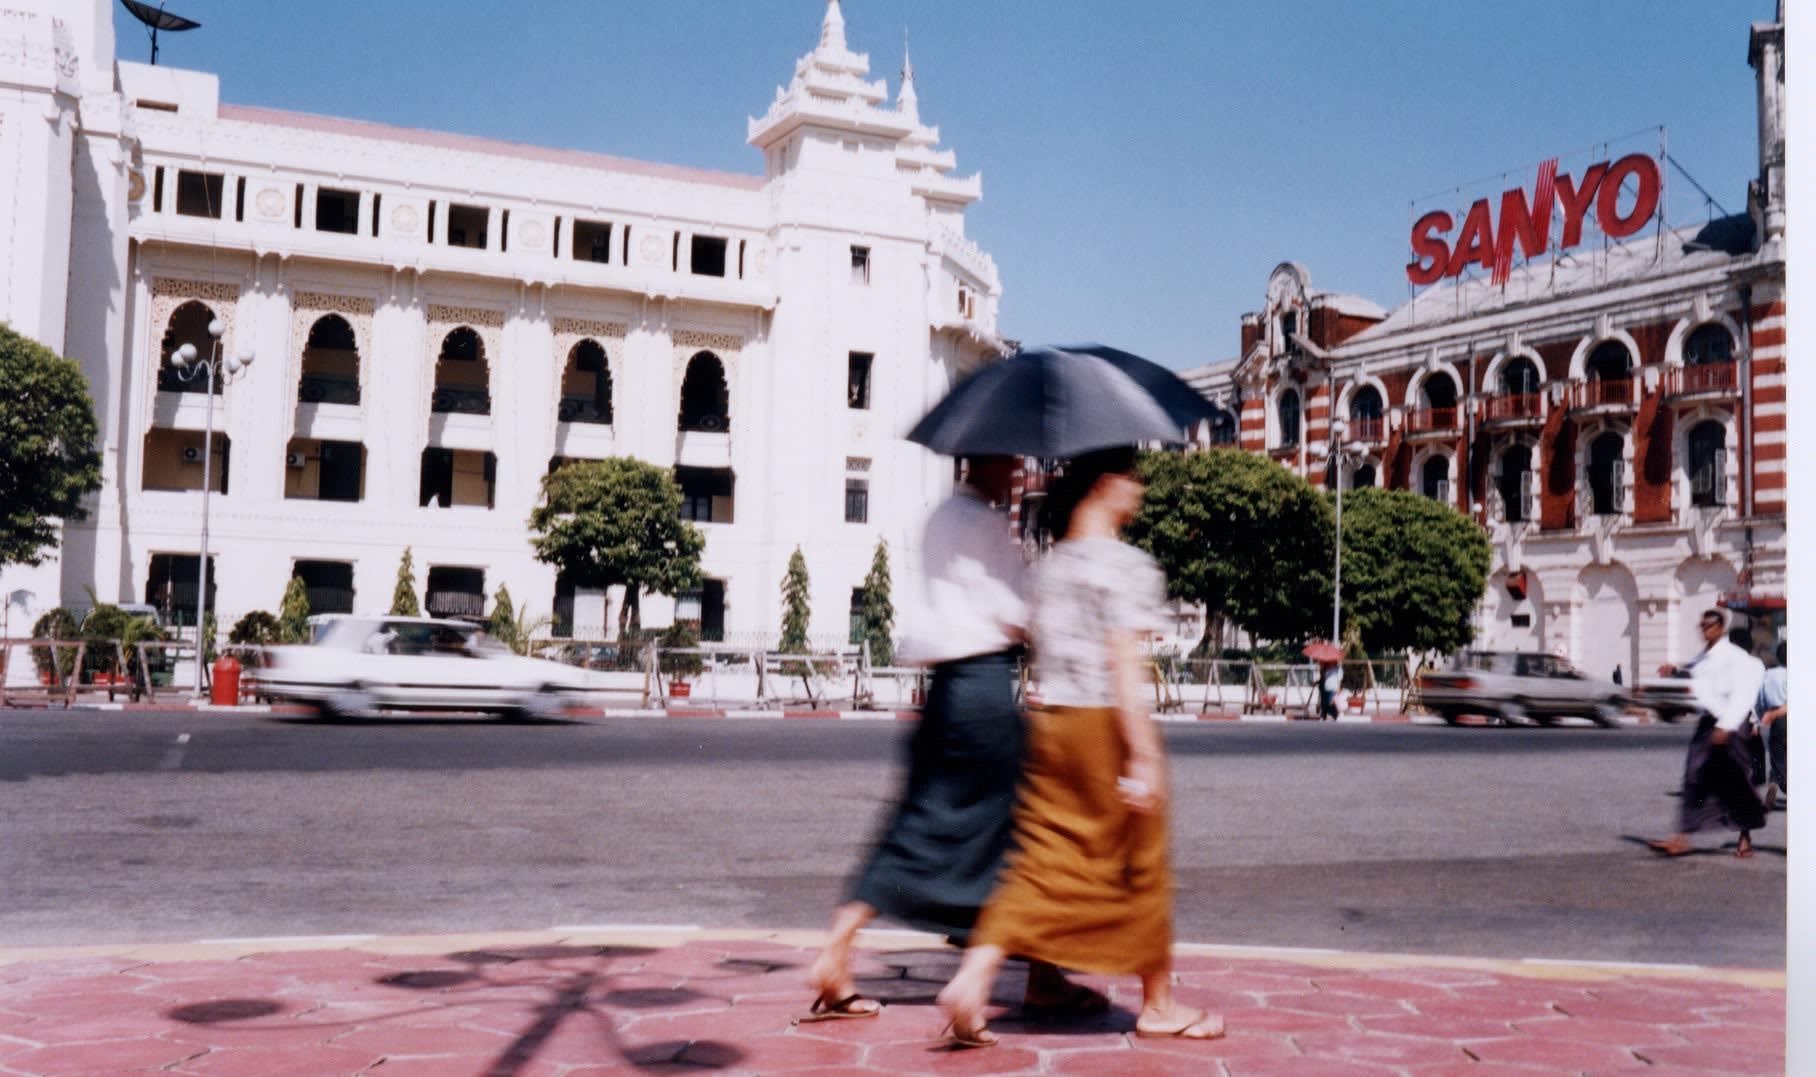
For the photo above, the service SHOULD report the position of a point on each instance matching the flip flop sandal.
(1745, 849)
(953, 1038)
(1081, 1001)
(826, 1009)
(1665, 848)
(1184, 1032)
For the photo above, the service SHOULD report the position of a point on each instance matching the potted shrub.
(678, 668)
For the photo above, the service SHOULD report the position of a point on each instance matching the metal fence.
(1240, 686)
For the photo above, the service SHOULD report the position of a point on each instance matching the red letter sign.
(1643, 168)
(1426, 243)
(1576, 202)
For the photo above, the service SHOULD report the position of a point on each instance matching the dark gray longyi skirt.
(941, 850)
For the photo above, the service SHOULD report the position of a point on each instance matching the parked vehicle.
(1520, 687)
(355, 666)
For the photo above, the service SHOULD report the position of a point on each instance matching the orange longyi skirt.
(1089, 884)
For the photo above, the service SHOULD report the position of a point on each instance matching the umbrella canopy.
(1181, 402)
(1323, 651)
(1046, 402)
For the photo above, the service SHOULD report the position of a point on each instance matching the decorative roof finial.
(832, 28)
(907, 102)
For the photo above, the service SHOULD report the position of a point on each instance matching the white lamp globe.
(185, 354)
(216, 327)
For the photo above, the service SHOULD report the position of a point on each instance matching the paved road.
(1489, 842)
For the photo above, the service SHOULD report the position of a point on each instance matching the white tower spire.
(832, 28)
(906, 101)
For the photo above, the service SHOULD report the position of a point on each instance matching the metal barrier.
(1223, 686)
(63, 671)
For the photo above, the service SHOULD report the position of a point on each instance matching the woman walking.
(1089, 886)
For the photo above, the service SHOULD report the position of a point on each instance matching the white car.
(358, 665)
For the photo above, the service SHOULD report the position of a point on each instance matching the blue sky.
(1145, 165)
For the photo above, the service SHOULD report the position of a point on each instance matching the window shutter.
(1617, 482)
(1718, 478)
(1444, 490)
(1528, 508)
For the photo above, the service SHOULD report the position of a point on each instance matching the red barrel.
(226, 689)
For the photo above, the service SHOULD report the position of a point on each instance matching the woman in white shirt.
(1089, 885)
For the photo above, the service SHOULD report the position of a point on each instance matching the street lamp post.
(1339, 453)
(190, 366)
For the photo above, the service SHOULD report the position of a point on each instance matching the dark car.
(1518, 687)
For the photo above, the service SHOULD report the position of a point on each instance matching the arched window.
(1708, 464)
(1707, 344)
(586, 385)
(461, 381)
(1610, 361)
(1434, 478)
(705, 399)
(1439, 390)
(1365, 414)
(1513, 481)
(188, 325)
(1223, 428)
(330, 363)
(1287, 410)
(1520, 377)
(1607, 474)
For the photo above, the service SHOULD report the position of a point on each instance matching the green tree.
(1241, 535)
(293, 613)
(502, 625)
(1414, 570)
(875, 611)
(796, 608)
(256, 629)
(48, 460)
(617, 522)
(403, 598)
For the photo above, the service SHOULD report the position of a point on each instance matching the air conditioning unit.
(192, 454)
(294, 461)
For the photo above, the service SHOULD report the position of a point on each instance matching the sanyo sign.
(1483, 242)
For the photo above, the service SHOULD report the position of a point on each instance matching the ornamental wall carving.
(306, 308)
(167, 294)
(570, 332)
(689, 343)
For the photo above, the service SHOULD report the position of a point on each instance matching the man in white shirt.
(1718, 787)
(939, 855)
(1773, 696)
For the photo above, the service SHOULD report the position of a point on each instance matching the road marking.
(174, 757)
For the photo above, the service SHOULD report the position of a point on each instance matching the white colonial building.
(437, 320)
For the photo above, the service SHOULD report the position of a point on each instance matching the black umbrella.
(1182, 402)
(1050, 403)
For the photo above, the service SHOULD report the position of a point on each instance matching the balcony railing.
(170, 382)
(326, 389)
(456, 604)
(1514, 407)
(1707, 379)
(462, 399)
(583, 409)
(1432, 421)
(330, 599)
(1370, 431)
(1602, 393)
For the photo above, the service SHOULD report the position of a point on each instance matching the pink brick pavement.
(523, 1005)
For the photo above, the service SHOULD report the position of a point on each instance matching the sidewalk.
(593, 1002)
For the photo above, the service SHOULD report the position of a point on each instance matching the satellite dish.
(155, 19)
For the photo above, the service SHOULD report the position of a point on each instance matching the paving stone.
(1269, 1019)
(1127, 1062)
(1305, 1067)
(446, 1040)
(1438, 1027)
(1235, 1045)
(1598, 1030)
(1514, 1010)
(1377, 1047)
(1334, 1002)
(1560, 1054)
(112, 1057)
(1003, 1060)
(1713, 1058)
(1381, 986)
(1473, 1069)
(278, 1062)
(93, 1004)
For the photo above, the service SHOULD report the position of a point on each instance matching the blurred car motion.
(356, 666)
(1520, 687)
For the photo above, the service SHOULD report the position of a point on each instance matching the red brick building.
(1613, 416)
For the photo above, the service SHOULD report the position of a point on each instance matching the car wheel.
(1513, 712)
(1607, 714)
(349, 704)
(544, 705)
(1451, 717)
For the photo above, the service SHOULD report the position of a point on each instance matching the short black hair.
(1741, 637)
(1080, 474)
(1716, 614)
